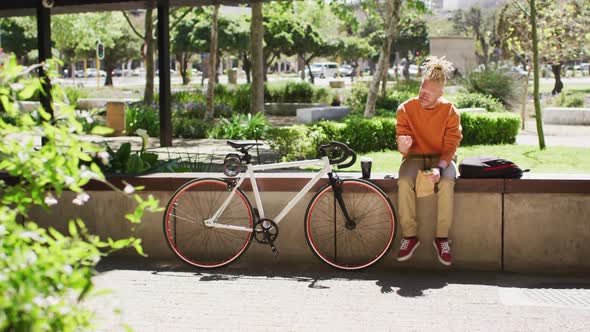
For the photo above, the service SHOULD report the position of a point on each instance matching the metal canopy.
(29, 7)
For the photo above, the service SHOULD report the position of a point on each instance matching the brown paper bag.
(424, 187)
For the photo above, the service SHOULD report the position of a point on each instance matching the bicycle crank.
(266, 232)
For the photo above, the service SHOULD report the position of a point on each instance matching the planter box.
(339, 84)
(567, 116)
(310, 115)
(287, 109)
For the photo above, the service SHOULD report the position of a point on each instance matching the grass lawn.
(564, 160)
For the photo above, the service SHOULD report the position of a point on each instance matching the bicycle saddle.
(242, 145)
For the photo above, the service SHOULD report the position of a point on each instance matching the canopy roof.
(28, 7)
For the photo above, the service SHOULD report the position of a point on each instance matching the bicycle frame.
(250, 173)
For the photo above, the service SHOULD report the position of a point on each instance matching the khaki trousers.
(407, 195)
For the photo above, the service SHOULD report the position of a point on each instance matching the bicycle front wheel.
(198, 244)
(361, 242)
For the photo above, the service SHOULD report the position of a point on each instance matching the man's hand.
(435, 175)
(404, 143)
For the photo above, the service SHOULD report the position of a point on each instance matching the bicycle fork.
(335, 182)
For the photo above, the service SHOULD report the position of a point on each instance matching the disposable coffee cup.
(366, 164)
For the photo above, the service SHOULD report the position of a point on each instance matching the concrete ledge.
(287, 109)
(527, 225)
(310, 115)
(91, 103)
(566, 116)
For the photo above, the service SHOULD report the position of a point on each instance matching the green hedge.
(489, 128)
(378, 133)
(474, 99)
(357, 99)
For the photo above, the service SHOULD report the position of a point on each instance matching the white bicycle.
(350, 224)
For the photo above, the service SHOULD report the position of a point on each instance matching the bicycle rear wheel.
(353, 247)
(194, 242)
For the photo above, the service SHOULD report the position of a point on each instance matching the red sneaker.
(409, 244)
(443, 251)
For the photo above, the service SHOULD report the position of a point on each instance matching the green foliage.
(73, 94)
(185, 127)
(474, 99)
(392, 99)
(140, 116)
(494, 82)
(489, 128)
(241, 126)
(296, 92)
(44, 274)
(360, 134)
(369, 134)
(569, 99)
(126, 161)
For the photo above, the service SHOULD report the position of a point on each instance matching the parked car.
(92, 72)
(323, 69)
(346, 70)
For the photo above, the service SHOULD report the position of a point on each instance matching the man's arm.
(403, 131)
(451, 139)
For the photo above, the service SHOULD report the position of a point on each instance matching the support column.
(257, 37)
(44, 47)
(164, 67)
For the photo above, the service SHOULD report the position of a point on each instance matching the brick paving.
(165, 297)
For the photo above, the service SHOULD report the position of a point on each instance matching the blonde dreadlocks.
(438, 69)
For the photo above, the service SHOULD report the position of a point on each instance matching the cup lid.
(366, 159)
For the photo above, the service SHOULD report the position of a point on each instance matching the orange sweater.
(435, 131)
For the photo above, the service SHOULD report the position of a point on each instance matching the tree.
(75, 36)
(352, 49)
(18, 36)
(212, 64)
(388, 14)
(480, 25)
(149, 44)
(182, 45)
(562, 29)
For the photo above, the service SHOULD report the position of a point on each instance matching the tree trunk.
(384, 78)
(184, 58)
(148, 94)
(392, 21)
(556, 69)
(538, 115)
(246, 66)
(257, 35)
(525, 98)
(212, 66)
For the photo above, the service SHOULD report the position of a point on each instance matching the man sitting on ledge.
(428, 133)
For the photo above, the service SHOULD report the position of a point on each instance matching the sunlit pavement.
(175, 297)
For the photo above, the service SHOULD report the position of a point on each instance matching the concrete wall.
(459, 50)
(514, 225)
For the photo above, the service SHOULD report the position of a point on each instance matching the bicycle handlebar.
(342, 151)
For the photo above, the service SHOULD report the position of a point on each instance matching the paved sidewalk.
(173, 297)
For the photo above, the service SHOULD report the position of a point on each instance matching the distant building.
(459, 50)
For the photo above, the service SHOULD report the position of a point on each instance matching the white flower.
(31, 257)
(69, 180)
(17, 86)
(104, 157)
(87, 174)
(144, 138)
(129, 189)
(68, 269)
(2, 229)
(81, 199)
(50, 200)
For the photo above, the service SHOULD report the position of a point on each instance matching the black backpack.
(485, 167)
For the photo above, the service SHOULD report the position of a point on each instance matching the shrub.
(498, 83)
(360, 134)
(393, 98)
(73, 94)
(185, 127)
(489, 128)
(474, 99)
(241, 126)
(364, 134)
(411, 87)
(574, 101)
(297, 142)
(140, 116)
(44, 274)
